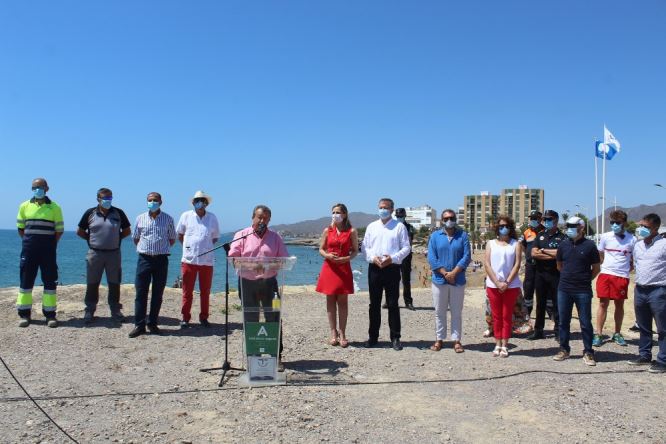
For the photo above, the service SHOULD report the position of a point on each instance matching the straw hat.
(202, 194)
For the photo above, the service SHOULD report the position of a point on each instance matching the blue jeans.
(149, 268)
(583, 302)
(650, 303)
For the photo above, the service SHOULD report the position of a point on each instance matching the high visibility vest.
(39, 220)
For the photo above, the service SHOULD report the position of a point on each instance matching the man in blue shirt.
(448, 255)
(579, 263)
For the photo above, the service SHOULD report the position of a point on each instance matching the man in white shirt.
(615, 248)
(650, 292)
(198, 231)
(385, 245)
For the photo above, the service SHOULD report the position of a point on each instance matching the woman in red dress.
(338, 246)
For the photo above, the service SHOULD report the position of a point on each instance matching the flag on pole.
(609, 147)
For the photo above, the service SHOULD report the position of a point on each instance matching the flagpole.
(596, 198)
(603, 190)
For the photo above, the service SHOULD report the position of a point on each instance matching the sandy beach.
(101, 386)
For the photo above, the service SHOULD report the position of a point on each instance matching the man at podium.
(259, 286)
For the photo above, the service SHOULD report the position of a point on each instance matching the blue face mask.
(617, 229)
(572, 232)
(503, 231)
(643, 232)
(548, 224)
(153, 206)
(384, 213)
(105, 203)
(401, 219)
(199, 205)
(39, 193)
(534, 223)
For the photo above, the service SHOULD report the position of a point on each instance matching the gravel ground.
(101, 386)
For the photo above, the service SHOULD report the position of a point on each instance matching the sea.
(72, 265)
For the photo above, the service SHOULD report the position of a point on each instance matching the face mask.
(617, 229)
(534, 223)
(384, 213)
(105, 203)
(199, 205)
(39, 193)
(503, 231)
(572, 232)
(153, 206)
(337, 218)
(548, 224)
(450, 223)
(643, 232)
(401, 219)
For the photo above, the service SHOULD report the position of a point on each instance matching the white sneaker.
(504, 353)
(496, 351)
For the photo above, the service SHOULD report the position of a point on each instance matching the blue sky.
(301, 104)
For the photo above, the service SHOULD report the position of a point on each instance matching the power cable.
(35, 402)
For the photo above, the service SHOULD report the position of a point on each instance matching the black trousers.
(155, 269)
(38, 256)
(382, 280)
(406, 276)
(528, 286)
(259, 293)
(546, 283)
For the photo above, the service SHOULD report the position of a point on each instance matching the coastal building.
(461, 216)
(481, 210)
(518, 202)
(423, 216)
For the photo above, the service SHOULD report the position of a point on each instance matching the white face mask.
(450, 223)
(337, 218)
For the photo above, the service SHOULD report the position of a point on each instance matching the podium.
(260, 283)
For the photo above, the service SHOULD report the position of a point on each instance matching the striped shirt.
(650, 262)
(39, 221)
(154, 235)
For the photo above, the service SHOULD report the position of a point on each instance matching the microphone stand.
(226, 365)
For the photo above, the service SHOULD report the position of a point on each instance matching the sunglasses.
(446, 219)
(200, 199)
(503, 226)
(572, 225)
(616, 222)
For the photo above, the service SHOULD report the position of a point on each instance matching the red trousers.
(189, 273)
(501, 306)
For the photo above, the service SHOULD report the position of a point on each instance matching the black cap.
(551, 213)
(535, 214)
(400, 212)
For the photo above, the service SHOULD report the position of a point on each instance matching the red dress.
(336, 278)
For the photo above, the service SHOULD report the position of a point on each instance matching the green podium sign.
(262, 338)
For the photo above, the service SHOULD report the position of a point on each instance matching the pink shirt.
(270, 245)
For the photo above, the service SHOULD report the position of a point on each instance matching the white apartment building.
(423, 216)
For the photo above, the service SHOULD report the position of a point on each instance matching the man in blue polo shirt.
(579, 263)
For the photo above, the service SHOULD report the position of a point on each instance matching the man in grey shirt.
(103, 226)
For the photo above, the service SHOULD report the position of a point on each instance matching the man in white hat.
(198, 231)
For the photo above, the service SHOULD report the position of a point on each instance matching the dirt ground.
(101, 386)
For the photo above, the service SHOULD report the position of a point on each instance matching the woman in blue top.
(448, 255)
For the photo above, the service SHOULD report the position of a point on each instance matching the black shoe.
(138, 331)
(657, 367)
(537, 334)
(634, 327)
(204, 323)
(410, 306)
(184, 325)
(384, 305)
(640, 361)
(153, 329)
(371, 343)
(397, 346)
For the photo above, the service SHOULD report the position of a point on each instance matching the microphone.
(261, 228)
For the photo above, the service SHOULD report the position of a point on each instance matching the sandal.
(333, 341)
(504, 353)
(344, 343)
(496, 351)
(458, 347)
(437, 346)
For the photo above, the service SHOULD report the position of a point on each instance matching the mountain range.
(314, 227)
(635, 213)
